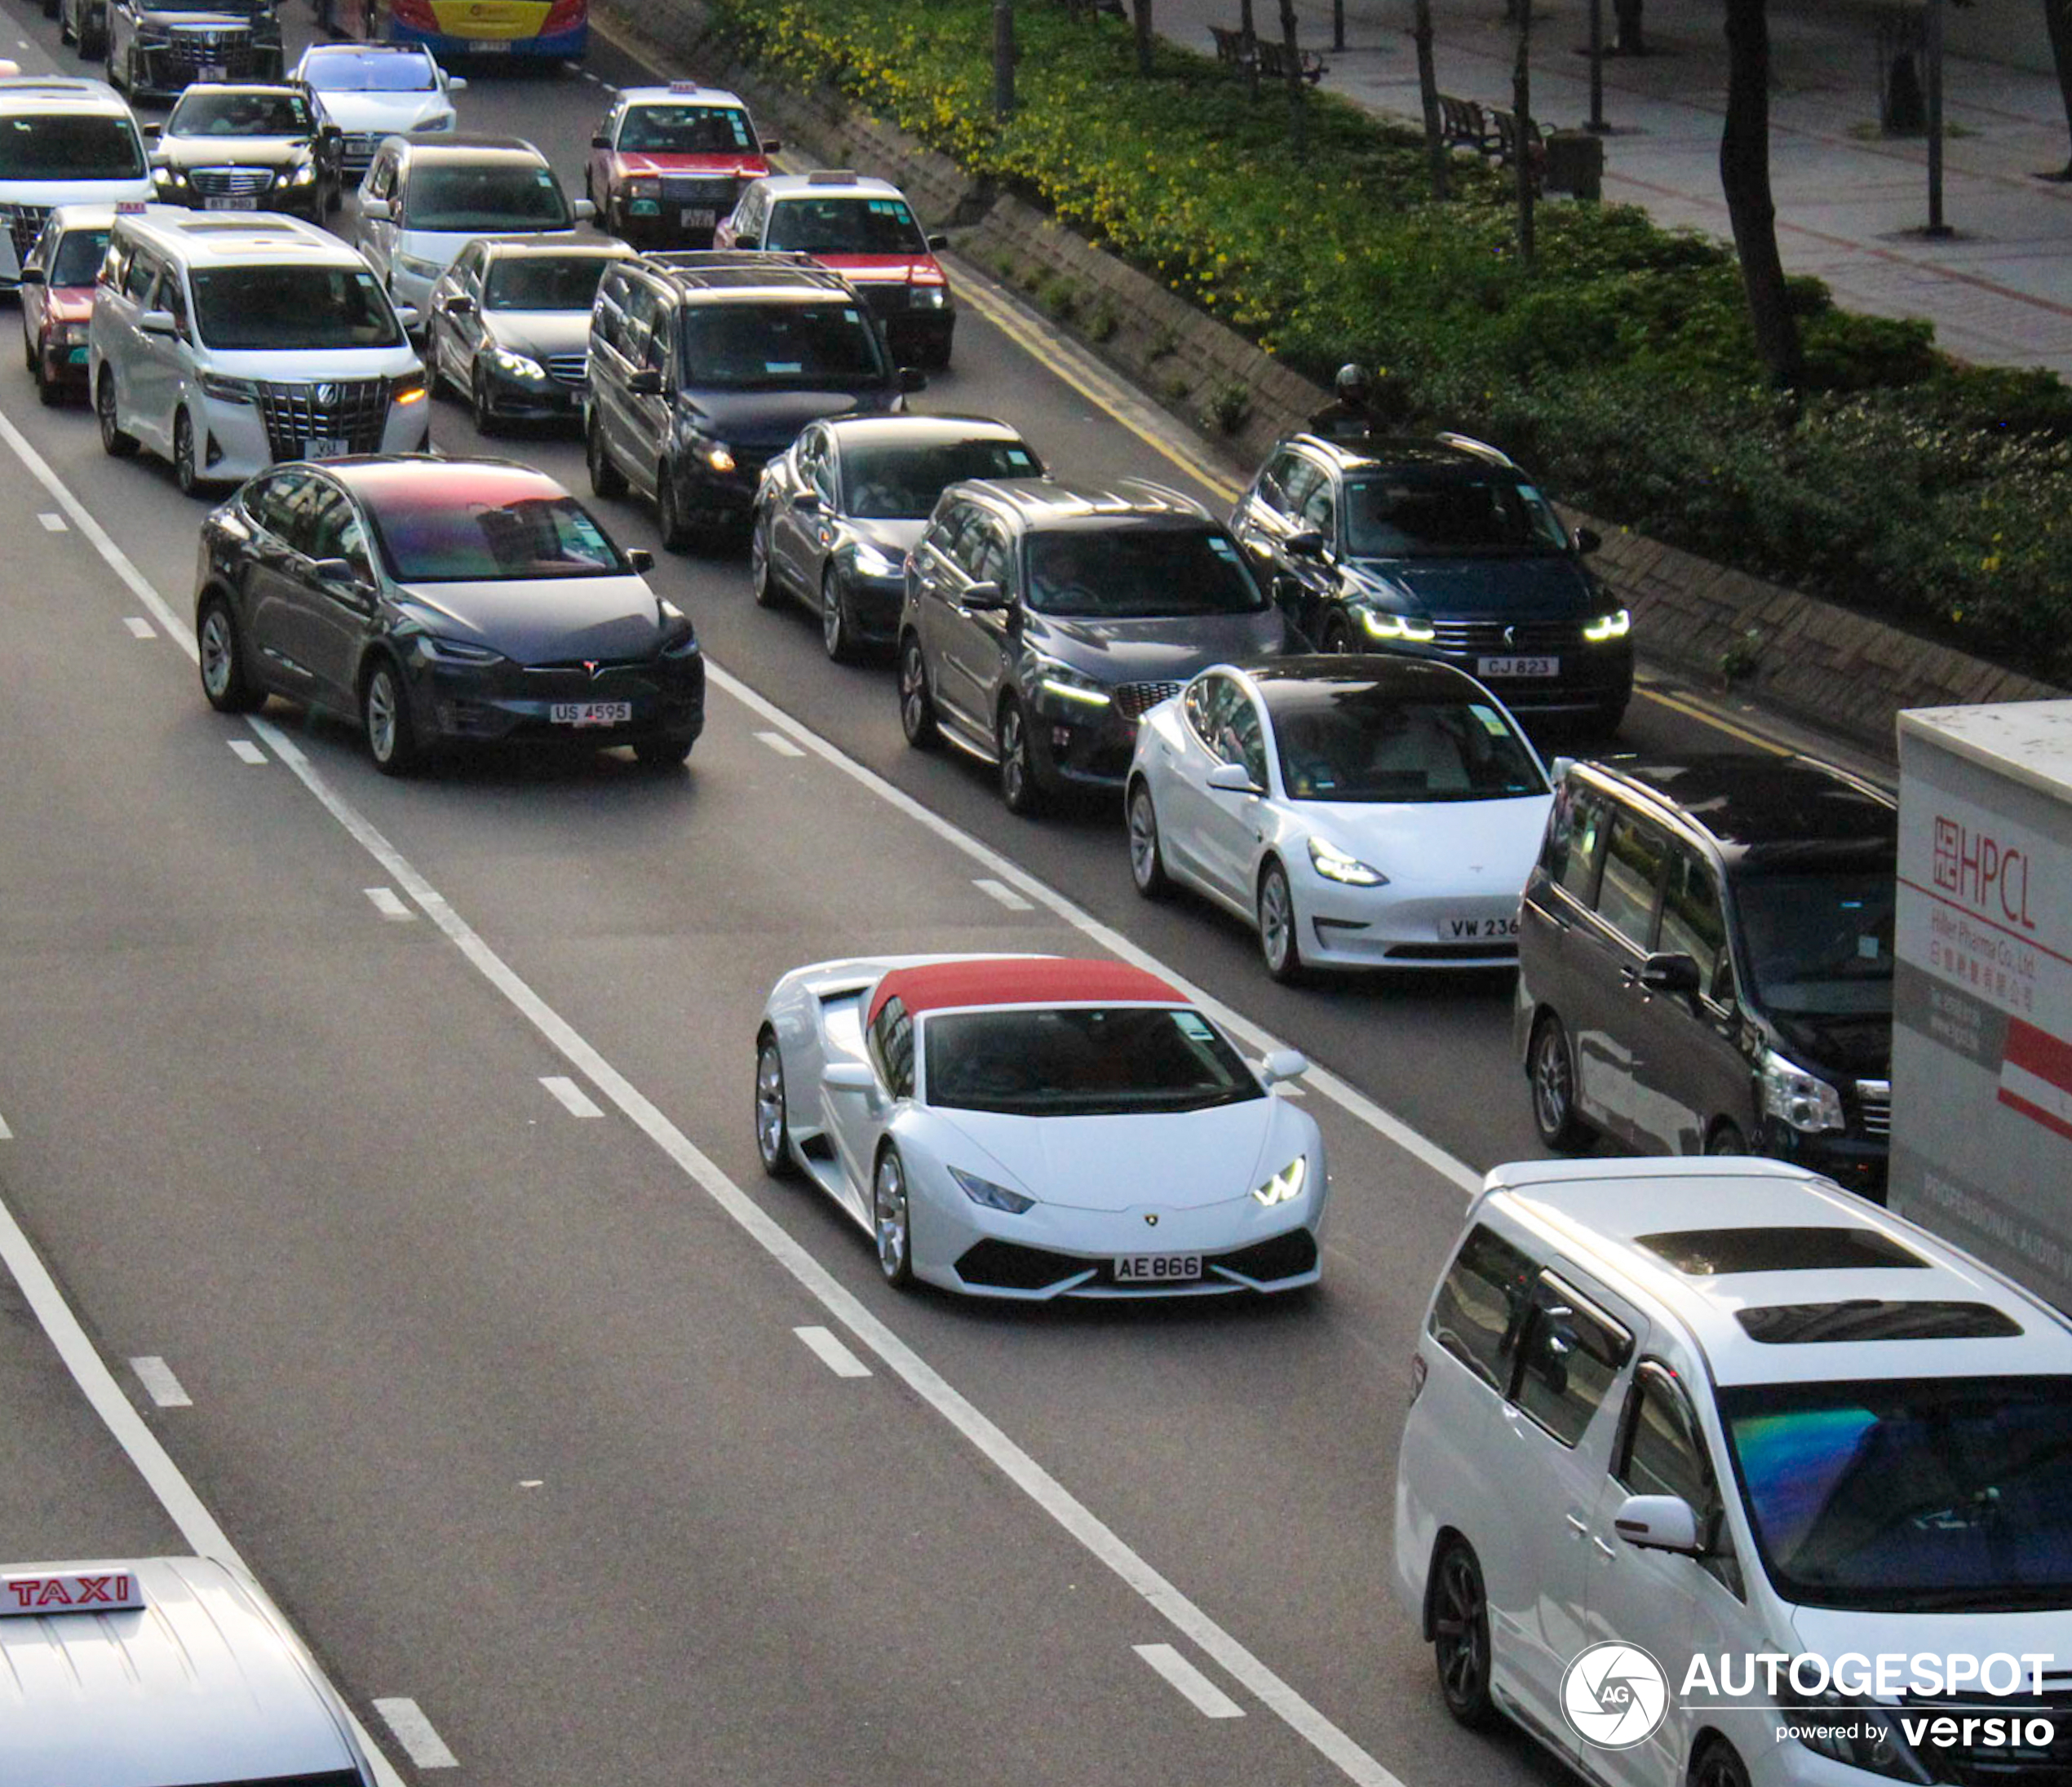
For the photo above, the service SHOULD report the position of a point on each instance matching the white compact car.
(62, 141)
(371, 91)
(1361, 812)
(1036, 1126)
(228, 344)
(1716, 1475)
(132, 1673)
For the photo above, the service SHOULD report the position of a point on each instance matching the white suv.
(62, 141)
(1716, 1475)
(226, 344)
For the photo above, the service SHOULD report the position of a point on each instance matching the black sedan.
(247, 147)
(438, 600)
(508, 326)
(836, 513)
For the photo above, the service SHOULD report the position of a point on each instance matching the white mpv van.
(62, 141)
(1715, 1475)
(226, 344)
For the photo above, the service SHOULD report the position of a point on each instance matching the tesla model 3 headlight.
(1397, 626)
(1334, 865)
(516, 365)
(1802, 1099)
(871, 562)
(984, 1191)
(1615, 626)
(1286, 1186)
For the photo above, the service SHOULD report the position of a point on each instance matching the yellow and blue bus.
(549, 30)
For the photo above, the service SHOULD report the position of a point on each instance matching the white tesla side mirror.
(1284, 1064)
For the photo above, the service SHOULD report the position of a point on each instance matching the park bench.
(1265, 56)
(1462, 126)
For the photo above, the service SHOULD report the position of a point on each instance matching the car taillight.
(417, 14)
(564, 16)
(1418, 1370)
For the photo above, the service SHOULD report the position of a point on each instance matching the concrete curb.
(1814, 660)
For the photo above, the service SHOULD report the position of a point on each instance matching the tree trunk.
(1003, 59)
(1250, 37)
(1142, 11)
(1427, 89)
(1291, 52)
(1521, 107)
(1627, 39)
(1745, 180)
(2057, 17)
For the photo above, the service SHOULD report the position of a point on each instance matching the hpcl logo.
(1614, 1695)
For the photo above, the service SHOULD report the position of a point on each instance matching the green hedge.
(1619, 364)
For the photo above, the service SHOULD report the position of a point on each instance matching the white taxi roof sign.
(130, 207)
(684, 86)
(33, 1592)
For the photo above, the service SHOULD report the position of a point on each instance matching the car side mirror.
(913, 379)
(1557, 771)
(376, 208)
(938, 241)
(646, 383)
(158, 322)
(600, 141)
(458, 84)
(1587, 540)
(851, 1077)
(987, 598)
(640, 560)
(459, 304)
(582, 210)
(33, 276)
(410, 317)
(1669, 974)
(1304, 543)
(806, 502)
(1283, 1064)
(771, 146)
(333, 571)
(154, 130)
(1233, 779)
(1658, 1523)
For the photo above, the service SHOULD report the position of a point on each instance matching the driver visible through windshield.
(1081, 1062)
(1138, 573)
(1419, 512)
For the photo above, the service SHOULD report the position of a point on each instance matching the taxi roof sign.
(684, 86)
(131, 207)
(832, 176)
(68, 1591)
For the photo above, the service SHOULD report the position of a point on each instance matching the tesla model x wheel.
(1460, 1636)
(892, 1219)
(392, 740)
(773, 1131)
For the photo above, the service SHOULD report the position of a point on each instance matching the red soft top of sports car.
(741, 163)
(1021, 981)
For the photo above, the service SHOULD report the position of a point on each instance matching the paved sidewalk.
(1851, 204)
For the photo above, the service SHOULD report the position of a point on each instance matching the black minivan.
(1705, 962)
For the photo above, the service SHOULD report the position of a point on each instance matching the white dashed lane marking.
(388, 903)
(1008, 897)
(55, 524)
(1209, 1700)
(140, 627)
(573, 1099)
(247, 751)
(781, 745)
(413, 1732)
(6, 1135)
(159, 1383)
(833, 1354)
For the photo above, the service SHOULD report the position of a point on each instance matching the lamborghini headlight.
(1286, 1186)
(984, 1191)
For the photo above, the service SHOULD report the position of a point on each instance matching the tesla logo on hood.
(1151, 1217)
(590, 664)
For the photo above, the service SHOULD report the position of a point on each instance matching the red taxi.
(668, 163)
(57, 296)
(865, 231)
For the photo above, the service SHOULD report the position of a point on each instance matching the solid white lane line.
(160, 1384)
(915, 1372)
(387, 904)
(781, 745)
(833, 1354)
(573, 1099)
(413, 1732)
(1209, 1700)
(53, 523)
(247, 751)
(1347, 1097)
(142, 628)
(1001, 891)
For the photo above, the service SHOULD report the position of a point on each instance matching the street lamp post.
(1933, 46)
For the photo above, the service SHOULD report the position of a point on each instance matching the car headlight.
(1858, 1733)
(871, 562)
(928, 297)
(680, 637)
(71, 334)
(167, 176)
(216, 384)
(644, 189)
(1066, 685)
(408, 388)
(446, 651)
(1615, 626)
(1334, 865)
(718, 455)
(304, 175)
(984, 1191)
(443, 121)
(419, 269)
(1286, 1186)
(515, 365)
(1397, 626)
(1802, 1099)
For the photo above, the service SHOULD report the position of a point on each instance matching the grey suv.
(1705, 962)
(704, 366)
(1042, 619)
